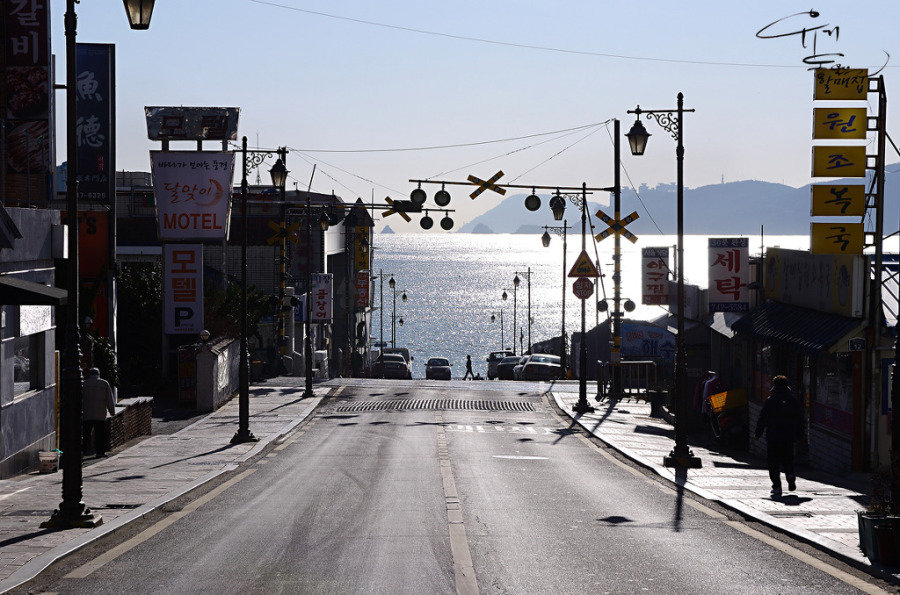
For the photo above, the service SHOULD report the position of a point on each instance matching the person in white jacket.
(97, 400)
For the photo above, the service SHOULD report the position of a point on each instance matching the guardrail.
(638, 377)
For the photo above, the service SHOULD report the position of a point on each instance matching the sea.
(454, 283)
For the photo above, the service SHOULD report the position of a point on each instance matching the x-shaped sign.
(282, 231)
(616, 226)
(487, 185)
(389, 212)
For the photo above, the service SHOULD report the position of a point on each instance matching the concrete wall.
(217, 373)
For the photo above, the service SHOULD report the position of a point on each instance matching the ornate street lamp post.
(681, 455)
(545, 239)
(72, 512)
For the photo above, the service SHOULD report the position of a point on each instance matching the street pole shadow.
(680, 480)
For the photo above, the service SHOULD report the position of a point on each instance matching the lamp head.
(504, 295)
(324, 222)
(138, 12)
(279, 174)
(637, 138)
(545, 239)
(392, 283)
(558, 206)
(403, 297)
(493, 318)
(516, 281)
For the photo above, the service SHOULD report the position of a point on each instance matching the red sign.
(362, 290)
(583, 288)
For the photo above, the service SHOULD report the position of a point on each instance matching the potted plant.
(879, 529)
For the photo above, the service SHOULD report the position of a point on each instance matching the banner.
(192, 123)
(654, 274)
(729, 274)
(95, 132)
(183, 291)
(322, 293)
(828, 283)
(193, 193)
(362, 290)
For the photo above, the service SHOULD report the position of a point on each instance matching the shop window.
(27, 363)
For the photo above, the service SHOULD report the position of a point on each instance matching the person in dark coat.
(782, 421)
(469, 373)
(97, 400)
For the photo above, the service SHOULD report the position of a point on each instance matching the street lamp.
(494, 319)
(72, 512)
(560, 230)
(681, 455)
(528, 276)
(516, 282)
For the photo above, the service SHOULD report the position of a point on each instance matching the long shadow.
(209, 452)
(26, 537)
(794, 500)
(610, 407)
(294, 402)
(567, 431)
(680, 480)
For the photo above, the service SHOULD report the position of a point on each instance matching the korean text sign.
(183, 291)
(362, 290)
(322, 293)
(193, 193)
(654, 276)
(729, 274)
(94, 132)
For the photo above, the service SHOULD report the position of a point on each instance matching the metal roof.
(810, 330)
(19, 292)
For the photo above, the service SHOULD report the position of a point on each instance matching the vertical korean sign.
(26, 99)
(95, 107)
(729, 274)
(362, 290)
(183, 292)
(654, 276)
(322, 292)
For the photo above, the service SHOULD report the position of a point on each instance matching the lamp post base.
(80, 518)
(582, 407)
(242, 436)
(685, 459)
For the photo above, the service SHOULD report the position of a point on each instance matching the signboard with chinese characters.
(839, 161)
(183, 288)
(192, 123)
(836, 238)
(322, 292)
(95, 132)
(828, 283)
(362, 290)
(27, 98)
(833, 200)
(841, 84)
(193, 193)
(729, 274)
(839, 123)
(654, 275)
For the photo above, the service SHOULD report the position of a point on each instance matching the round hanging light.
(442, 197)
(418, 195)
(545, 239)
(629, 306)
(533, 201)
(446, 223)
(602, 306)
(426, 222)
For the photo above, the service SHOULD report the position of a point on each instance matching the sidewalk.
(819, 511)
(139, 479)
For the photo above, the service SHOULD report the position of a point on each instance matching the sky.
(408, 75)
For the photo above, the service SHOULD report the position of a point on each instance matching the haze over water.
(454, 283)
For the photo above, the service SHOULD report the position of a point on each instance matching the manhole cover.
(437, 404)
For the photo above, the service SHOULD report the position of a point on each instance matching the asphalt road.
(426, 487)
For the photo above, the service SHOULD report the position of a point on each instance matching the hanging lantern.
(426, 222)
(138, 12)
(637, 137)
(418, 196)
(545, 239)
(442, 197)
(558, 206)
(533, 201)
(602, 306)
(324, 222)
(629, 306)
(446, 222)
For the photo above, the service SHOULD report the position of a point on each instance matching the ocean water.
(454, 283)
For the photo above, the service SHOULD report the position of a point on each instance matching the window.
(26, 363)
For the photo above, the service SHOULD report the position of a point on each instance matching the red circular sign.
(583, 288)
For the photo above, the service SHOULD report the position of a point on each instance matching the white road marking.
(4, 496)
(521, 458)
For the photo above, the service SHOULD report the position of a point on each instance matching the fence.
(638, 377)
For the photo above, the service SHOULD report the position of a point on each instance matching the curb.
(808, 537)
(39, 564)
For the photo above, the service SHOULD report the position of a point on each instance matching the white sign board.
(654, 276)
(322, 293)
(183, 291)
(729, 274)
(193, 193)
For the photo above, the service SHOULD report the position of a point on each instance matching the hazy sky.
(315, 82)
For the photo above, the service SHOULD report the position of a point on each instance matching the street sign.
(829, 200)
(836, 238)
(583, 288)
(839, 123)
(832, 161)
(841, 84)
(486, 185)
(583, 267)
(397, 207)
(616, 226)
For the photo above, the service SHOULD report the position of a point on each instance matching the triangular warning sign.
(583, 267)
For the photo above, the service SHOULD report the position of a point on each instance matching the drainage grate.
(437, 404)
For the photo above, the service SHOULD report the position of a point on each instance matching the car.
(493, 360)
(404, 352)
(437, 368)
(505, 367)
(542, 366)
(391, 365)
(517, 369)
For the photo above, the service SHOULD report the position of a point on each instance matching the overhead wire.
(557, 154)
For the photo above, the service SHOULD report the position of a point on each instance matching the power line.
(558, 153)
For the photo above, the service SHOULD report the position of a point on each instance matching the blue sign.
(95, 122)
(647, 341)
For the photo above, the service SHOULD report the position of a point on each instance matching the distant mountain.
(481, 228)
(387, 229)
(511, 214)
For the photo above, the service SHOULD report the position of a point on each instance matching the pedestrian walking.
(469, 368)
(98, 399)
(782, 421)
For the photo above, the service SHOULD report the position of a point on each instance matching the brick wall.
(132, 419)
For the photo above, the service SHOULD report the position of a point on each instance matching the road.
(426, 487)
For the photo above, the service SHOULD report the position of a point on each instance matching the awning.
(808, 330)
(19, 292)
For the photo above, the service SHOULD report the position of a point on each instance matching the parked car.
(391, 365)
(493, 360)
(541, 366)
(505, 367)
(517, 369)
(404, 352)
(437, 368)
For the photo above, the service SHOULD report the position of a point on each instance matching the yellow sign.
(616, 226)
(390, 212)
(486, 185)
(842, 84)
(583, 267)
(839, 123)
(839, 162)
(361, 241)
(831, 200)
(836, 238)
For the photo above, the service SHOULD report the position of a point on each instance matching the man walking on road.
(469, 373)
(782, 421)
(98, 399)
